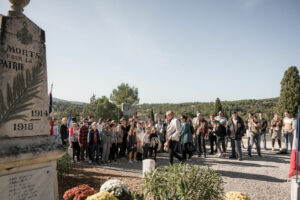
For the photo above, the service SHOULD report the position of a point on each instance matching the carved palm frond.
(19, 95)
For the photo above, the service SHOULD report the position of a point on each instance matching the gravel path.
(259, 177)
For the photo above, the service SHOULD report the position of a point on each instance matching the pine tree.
(151, 116)
(290, 92)
(218, 106)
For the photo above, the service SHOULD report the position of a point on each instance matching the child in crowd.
(132, 144)
(153, 142)
(146, 142)
(106, 142)
(94, 143)
(73, 139)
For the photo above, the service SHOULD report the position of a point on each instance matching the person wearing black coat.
(219, 131)
(235, 131)
(264, 124)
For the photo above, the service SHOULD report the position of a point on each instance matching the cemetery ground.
(258, 177)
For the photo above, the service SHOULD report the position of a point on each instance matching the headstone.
(28, 153)
(143, 118)
(128, 110)
(148, 166)
(159, 116)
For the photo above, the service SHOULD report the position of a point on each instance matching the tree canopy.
(290, 92)
(125, 94)
(218, 106)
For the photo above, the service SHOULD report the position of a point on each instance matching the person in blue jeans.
(254, 136)
(288, 130)
(201, 128)
(94, 143)
(263, 128)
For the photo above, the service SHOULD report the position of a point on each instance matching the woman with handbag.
(186, 137)
(254, 130)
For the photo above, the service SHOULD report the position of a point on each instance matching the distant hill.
(66, 101)
(63, 108)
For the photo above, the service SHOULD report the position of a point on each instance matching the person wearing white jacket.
(172, 136)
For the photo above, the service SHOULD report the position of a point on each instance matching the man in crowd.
(235, 131)
(263, 128)
(83, 141)
(201, 128)
(173, 132)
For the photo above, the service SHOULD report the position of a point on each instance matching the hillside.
(267, 106)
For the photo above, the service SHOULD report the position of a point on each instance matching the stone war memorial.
(28, 154)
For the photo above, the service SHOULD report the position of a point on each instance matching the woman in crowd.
(276, 129)
(154, 141)
(64, 131)
(146, 142)
(139, 135)
(120, 139)
(248, 122)
(73, 140)
(288, 130)
(132, 144)
(220, 131)
(254, 130)
(186, 137)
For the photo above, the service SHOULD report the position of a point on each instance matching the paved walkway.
(259, 177)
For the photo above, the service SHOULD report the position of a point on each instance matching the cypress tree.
(290, 92)
(218, 106)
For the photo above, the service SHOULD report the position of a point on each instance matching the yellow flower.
(104, 195)
(236, 196)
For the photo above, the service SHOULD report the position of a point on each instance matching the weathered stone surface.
(159, 116)
(148, 166)
(34, 184)
(23, 76)
(128, 110)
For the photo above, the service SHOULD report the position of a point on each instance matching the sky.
(171, 50)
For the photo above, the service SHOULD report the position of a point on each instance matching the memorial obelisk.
(27, 151)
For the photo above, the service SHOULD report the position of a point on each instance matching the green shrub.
(64, 165)
(183, 182)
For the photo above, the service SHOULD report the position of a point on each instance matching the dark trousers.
(278, 141)
(124, 147)
(236, 146)
(146, 150)
(76, 150)
(221, 142)
(83, 149)
(113, 151)
(201, 143)
(172, 151)
(119, 149)
(212, 141)
(94, 148)
(185, 150)
(153, 149)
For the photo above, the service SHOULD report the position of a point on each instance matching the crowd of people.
(181, 138)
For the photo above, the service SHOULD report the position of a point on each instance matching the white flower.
(116, 187)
